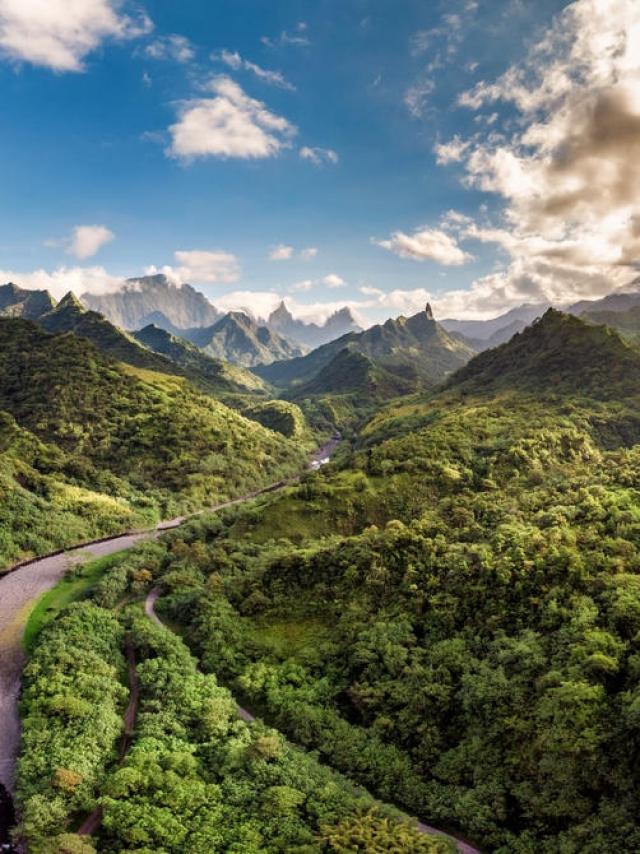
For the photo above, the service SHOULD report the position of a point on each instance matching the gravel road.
(19, 591)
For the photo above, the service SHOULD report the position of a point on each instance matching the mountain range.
(417, 349)
(312, 335)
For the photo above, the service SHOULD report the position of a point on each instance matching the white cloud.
(238, 63)
(319, 156)
(59, 34)
(229, 124)
(87, 240)
(416, 96)
(568, 173)
(281, 253)
(297, 37)
(64, 279)
(201, 266)
(305, 285)
(333, 281)
(172, 47)
(452, 151)
(426, 244)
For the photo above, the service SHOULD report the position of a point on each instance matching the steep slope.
(312, 334)
(195, 362)
(497, 330)
(558, 353)
(625, 321)
(237, 338)
(142, 443)
(18, 302)
(140, 300)
(417, 349)
(71, 316)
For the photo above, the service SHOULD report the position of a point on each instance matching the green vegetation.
(281, 416)
(196, 777)
(237, 338)
(475, 555)
(416, 350)
(91, 447)
(76, 584)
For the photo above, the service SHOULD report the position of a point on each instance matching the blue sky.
(130, 142)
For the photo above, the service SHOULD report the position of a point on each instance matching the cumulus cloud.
(201, 266)
(305, 285)
(228, 124)
(417, 95)
(172, 47)
(281, 253)
(426, 244)
(569, 174)
(319, 156)
(238, 63)
(59, 35)
(333, 281)
(64, 279)
(84, 242)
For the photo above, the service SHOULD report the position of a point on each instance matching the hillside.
(626, 321)
(558, 353)
(69, 315)
(146, 299)
(447, 612)
(416, 348)
(239, 339)
(144, 444)
(222, 375)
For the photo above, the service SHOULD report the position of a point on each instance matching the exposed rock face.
(312, 334)
(149, 299)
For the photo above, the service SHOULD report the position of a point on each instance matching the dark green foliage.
(102, 447)
(237, 338)
(279, 415)
(215, 374)
(479, 659)
(417, 349)
(71, 718)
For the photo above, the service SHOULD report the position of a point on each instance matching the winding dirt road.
(21, 588)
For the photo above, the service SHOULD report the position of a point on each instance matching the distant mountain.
(147, 299)
(312, 334)
(237, 338)
(618, 301)
(558, 353)
(483, 334)
(69, 315)
(625, 321)
(417, 349)
(17, 302)
(225, 376)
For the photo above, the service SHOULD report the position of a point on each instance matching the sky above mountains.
(474, 153)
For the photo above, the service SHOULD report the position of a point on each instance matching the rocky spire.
(428, 312)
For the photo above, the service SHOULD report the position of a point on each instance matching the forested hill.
(450, 612)
(107, 445)
(558, 353)
(415, 348)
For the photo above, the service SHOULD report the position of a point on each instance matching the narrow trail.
(93, 821)
(462, 845)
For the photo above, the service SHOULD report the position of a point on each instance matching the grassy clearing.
(76, 584)
(302, 639)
